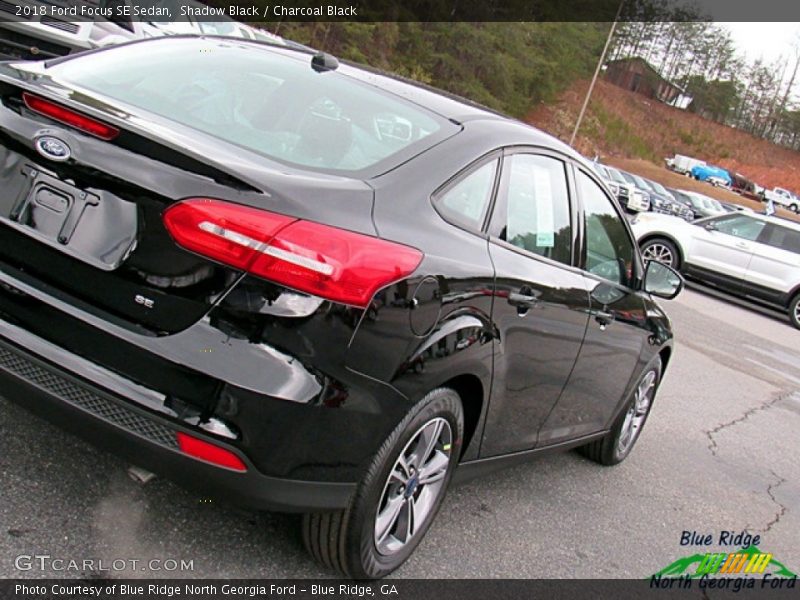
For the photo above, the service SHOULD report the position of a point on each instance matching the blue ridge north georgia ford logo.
(53, 148)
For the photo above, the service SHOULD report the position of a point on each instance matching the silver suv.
(747, 254)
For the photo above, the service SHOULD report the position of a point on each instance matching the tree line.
(511, 67)
(702, 58)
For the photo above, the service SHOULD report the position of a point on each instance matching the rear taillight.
(65, 115)
(324, 261)
(210, 453)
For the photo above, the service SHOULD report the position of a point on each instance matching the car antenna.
(323, 61)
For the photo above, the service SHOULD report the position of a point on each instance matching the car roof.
(439, 101)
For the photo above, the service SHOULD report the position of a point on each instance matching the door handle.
(523, 300)
(603, 318)
(742, 245)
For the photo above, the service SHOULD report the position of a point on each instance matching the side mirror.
(662, 281)
(710, 226)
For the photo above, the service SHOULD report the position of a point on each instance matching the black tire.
(794, 311)
(346, 540)
(606, 451)
(793, 208)
(650, 246)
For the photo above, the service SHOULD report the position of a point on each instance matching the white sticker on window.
(543, 197)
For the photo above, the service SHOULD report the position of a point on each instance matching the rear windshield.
(262, 99)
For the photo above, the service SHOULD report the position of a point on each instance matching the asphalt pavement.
(719, 453)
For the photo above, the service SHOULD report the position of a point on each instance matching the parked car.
(743, 186)
(746, 254)
(664, 202)
(628, 196)
(683, 164)
(39, 37)
(658, 201)
(639, 185)
(685, 199)
(42, 35)
(307, 286)
(711, 174)
(702, 205)
(782, 197)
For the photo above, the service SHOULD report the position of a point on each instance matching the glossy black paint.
(309, 389)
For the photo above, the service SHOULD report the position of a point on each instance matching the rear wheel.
(399, 497)
(794, 311)
(618, 443)
(793, 208)
(661, 250)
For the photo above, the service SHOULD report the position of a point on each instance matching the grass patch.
(617, 133)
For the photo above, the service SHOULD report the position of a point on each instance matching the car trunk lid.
(83, 215)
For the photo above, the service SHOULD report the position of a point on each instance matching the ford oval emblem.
(53, 148)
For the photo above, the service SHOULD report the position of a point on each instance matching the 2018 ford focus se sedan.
(311, 288)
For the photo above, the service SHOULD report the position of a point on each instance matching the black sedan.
(311, 287)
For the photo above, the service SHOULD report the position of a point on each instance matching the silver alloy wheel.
(413, 486)
(637, 413)
(660, 253)
(797, 312)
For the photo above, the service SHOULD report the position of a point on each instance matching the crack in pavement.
(782, 511)
(713, 446)
(710, 433)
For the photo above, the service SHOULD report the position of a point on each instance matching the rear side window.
(784, 238)
(467, 201)
(265, 100)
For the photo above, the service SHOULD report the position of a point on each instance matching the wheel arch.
(469, 387)
(665, 354)
(791, 295)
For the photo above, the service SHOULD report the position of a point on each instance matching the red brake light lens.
(228, 233)
(65, 115)
(209, 453)
(317, 259)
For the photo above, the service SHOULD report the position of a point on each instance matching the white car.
(747, 254)
(626, 193)
(781, 197)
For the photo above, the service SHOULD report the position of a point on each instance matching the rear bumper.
(148, 440)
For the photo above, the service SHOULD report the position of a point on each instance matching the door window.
(536, 215)
(609, 247)
(740, 226)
